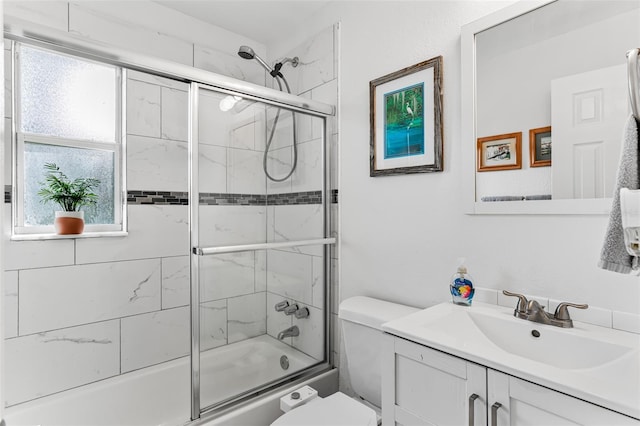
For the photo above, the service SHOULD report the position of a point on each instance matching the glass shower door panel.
(245, 343)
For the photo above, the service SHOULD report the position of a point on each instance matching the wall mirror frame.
(592, 206)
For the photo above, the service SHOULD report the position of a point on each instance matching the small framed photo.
(406, 120)
(499, 152)
(540, 147)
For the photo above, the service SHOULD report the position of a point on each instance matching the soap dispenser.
(461, 285)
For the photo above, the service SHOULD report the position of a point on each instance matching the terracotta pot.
(69, 223)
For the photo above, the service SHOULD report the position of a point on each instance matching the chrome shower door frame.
(197, 251)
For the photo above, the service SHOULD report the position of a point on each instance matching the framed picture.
(540, 147)
(500, 152)
(406, 120)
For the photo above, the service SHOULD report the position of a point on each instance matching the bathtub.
(160, 395)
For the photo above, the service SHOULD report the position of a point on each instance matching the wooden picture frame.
(540, 147)
(499, 152)
(406, 120)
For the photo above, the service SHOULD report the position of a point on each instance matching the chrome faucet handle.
(291, 309)
(302, 313)
(562, 313)
(280, 306)
(521, 307)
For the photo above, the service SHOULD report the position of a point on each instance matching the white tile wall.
(175, 114)
(88, 19)
(212, 168)
(311, 338)
(143, 109)
(52, 298)
(298, 222)
(226, 275)
(36, 254)
(214, 125)
(175, 281)
(261, 270)
(227, 225)
(10, 304)
(45, 363)
(154, 231)
(157, 164)
(244, 172)
(52, 14)
(154, 338)
(317, 285)
(308, 174)
(213, 324)
(246, 316)
(290, 275)
(317, 62)
(626, 322)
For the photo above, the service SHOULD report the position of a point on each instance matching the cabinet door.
(525, 404)
(423, 386)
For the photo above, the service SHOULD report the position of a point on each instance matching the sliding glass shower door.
(260, 245)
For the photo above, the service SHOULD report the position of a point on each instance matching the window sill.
(43, 237)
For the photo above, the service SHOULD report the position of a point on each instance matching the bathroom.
(399, 237)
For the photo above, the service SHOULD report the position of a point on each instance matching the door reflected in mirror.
(562, 66)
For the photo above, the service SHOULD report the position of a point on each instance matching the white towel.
(614, 256)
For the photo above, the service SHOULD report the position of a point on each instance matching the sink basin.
(562, 348)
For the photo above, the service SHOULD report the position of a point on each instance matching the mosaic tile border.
(181, 198)
(228, 199)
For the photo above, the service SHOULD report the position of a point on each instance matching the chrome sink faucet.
(531, 310)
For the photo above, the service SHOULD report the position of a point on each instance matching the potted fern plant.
(69, 194)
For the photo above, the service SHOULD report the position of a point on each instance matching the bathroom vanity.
(479, 365)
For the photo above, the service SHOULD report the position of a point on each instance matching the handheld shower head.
(247, 53)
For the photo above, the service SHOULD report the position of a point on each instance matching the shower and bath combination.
(247, 53)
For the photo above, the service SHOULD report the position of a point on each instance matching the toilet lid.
(336, 410)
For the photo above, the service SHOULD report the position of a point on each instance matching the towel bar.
(634, 81)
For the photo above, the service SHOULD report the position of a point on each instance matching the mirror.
(545, 100)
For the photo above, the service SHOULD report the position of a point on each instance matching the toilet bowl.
(362, 318)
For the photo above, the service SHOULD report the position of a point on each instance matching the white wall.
(401, 235)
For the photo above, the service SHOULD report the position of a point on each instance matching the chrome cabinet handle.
(494, 413)
(472, 400)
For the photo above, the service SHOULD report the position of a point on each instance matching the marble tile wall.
(79, 311)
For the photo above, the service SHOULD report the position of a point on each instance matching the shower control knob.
(291, 309)
(281, 306)
(302, 313)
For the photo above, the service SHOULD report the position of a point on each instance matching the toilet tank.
(362, 318)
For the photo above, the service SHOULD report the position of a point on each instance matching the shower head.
(247, 53)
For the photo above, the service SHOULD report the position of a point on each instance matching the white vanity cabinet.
(424, 386)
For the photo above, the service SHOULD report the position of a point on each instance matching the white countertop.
(614, 384)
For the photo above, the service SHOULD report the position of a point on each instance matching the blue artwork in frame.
(404, 122)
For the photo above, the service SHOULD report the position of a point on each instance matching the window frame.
(19, 138)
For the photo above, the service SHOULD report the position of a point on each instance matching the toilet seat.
(336, 410)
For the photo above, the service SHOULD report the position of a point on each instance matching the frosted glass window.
(75, 163)
(69, 112)
(66, 97)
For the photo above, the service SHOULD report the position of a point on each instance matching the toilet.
(362, 318)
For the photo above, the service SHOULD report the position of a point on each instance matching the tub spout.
(291, 331)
